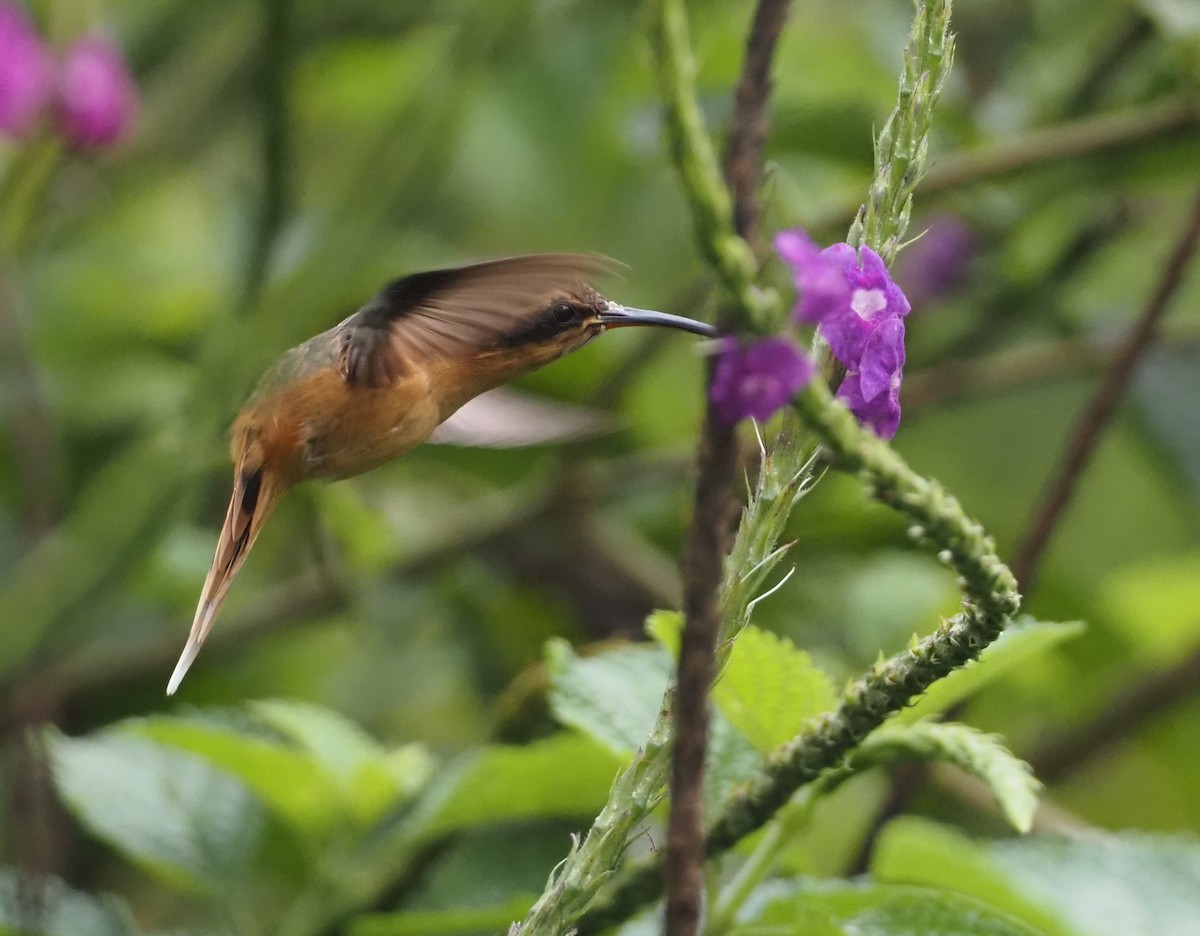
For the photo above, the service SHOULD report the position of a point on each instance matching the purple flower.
(757, 379)
(821, 286)
(861, 318)
(97, 97)
(874, 298)
(873, 391)
(938, 262)
(26, 73)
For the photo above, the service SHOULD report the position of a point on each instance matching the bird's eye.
(564, 314)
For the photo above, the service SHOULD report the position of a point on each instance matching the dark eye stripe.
(557, 318)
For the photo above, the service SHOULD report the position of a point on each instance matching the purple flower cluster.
(89, 91)
(860, 312)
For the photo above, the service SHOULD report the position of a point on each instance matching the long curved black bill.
(618, 316)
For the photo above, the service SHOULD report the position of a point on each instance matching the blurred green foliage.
(293, 156)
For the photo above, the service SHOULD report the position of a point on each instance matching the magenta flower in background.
(97, 97)
(26, 73)
(757, 379)
(939, 261)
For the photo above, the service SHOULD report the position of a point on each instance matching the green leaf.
(291, 784)
(770, 689)
(731, 759)
(1165, 590)
(47, 907)
(1101, 884)
(1024, 640)
(444, 922)
(1097, 884)
(568, 775)
(172, 812)
(920, 852)
(371, 778)
(614, 696)
(844, 909)
(1009, 778)
(665, 628)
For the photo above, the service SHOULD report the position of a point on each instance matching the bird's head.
(569, 320)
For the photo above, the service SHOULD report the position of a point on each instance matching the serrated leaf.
(568, 775)
(770, 689)
(47, 907)
(843, 909)
(291, 784)
(614, 696)
(1024, 640)
(172, 812)
(1009, 778)
(731, 759)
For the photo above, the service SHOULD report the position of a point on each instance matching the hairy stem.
(990, 601)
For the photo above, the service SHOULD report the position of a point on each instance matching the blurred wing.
(506, 418)
(456, 312)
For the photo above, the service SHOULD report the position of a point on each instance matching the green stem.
(696, 160)
(788, 823)
(21, 192)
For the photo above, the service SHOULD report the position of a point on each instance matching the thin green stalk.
(21, 192)
(903, 144)
(696, 159)
(787, 823)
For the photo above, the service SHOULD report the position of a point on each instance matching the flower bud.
(26, 73)
(97, 97)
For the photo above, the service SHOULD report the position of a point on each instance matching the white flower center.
(866, 302)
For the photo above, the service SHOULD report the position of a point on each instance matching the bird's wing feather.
(455, 312)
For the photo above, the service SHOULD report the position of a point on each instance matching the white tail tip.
(185, 660)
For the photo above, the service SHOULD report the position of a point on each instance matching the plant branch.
(1071, 140)
(273, 58)
(956, 379)
(1129, 711)
(724, 228)
(748, 126)
(712, 208)
(1099, 412)
(990, 601)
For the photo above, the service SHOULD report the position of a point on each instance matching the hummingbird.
(380, 383)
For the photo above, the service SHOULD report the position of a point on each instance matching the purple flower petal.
(26, 73)
(98, 99)
(821, 286)
(757, 379)
(882, 363)
(881, 414)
